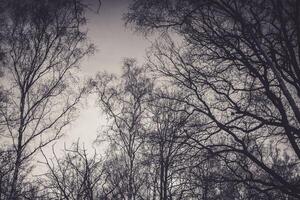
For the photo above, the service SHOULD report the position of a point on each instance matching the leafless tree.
(167, 152)
(25, 188)
(6, 169)
(123, 100)
(43, 44)
(239, 69)
(73, 176)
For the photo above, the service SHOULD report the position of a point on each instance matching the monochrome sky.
(114, 42)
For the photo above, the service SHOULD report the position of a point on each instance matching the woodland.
(214, 117)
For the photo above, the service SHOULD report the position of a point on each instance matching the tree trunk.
(13, 191)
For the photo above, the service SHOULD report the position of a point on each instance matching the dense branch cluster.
(213, 114)
(42, 43)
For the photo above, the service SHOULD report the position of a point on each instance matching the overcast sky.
(114, 43)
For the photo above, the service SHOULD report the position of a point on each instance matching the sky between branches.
(113, 42)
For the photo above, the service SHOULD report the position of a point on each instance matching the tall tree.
(44, 44)
(240, 70)
(123, 100)
(166, 150)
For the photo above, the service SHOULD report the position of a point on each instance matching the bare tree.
(44, 44)
(26, 188)
(124, 101)
(6, 169)
(73, 176)
(116, 175)
(166, 150)
(239, 69)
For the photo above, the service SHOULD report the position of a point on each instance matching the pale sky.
(114, 43)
